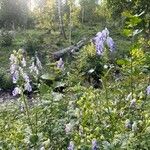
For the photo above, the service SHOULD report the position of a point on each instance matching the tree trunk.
(70, 32)
(61, 23)
(69, 50)
(82, 14)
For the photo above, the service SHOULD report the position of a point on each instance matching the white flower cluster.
(60, 64)
(17, 70)
(71, 146)
(133, 126)
(68, 128)
(148, 90)
(33, 69)
(35, 66)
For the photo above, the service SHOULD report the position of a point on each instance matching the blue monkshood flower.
(23, 62)
(60, 64)
(21, 71)
(99, 44)
(94, 145)
(102, 38)
(13, 59)
(148, 90)
(68, 128)
(38, 63)
(133, 103)
(16, 91)
(34, 69)
(99, 48)
(102, 35)
(26, 77)
(128, 124)
(110, 44)
(15, 77)
(98, 34)
(105, 33)
(13, 67)
(28, 87)
(129, 97)
(71, 146)
(134, 126)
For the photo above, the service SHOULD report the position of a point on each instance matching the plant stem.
(27, 111)
(104, 83)
(131, 77)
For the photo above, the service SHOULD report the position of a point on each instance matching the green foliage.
(32, 44)
(139, 8)
(5, 80)
(93, 97)
(5, 39)
(87, 10)
(13, 14)
(90, 65)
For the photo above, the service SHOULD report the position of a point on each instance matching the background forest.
(74, 74)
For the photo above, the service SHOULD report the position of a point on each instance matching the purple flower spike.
(15, 77)
(26, 77)
(99, 48)
(110, 44)
(23, 62)
(60, 64)
(94, 145)
(16, 91)
(71, 146)
(128, 124)
(148, 90)
(101, 36)
(27, 87)
(100, 39)
(105, 33)
(38, 62)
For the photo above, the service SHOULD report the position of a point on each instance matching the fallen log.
(69, 50)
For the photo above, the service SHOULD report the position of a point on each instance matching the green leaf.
(44, 88)
(34, 139)
(48, 76)
(134, 21)
(121, 62)
(127, 32)
(59, 84)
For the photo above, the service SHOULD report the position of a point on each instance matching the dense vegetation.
(77, 75)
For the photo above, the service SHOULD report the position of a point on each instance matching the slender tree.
(61, 23)
(13, 13)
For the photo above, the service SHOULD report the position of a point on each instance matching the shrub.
(32, 44)
(5, 38)
(88, 65)
(5, 80)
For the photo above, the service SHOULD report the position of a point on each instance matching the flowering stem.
(104, 83)
(131, 77)
(27, 111)
(131, 65)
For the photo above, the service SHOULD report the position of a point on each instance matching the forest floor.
(47, 43)
(6, 97)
